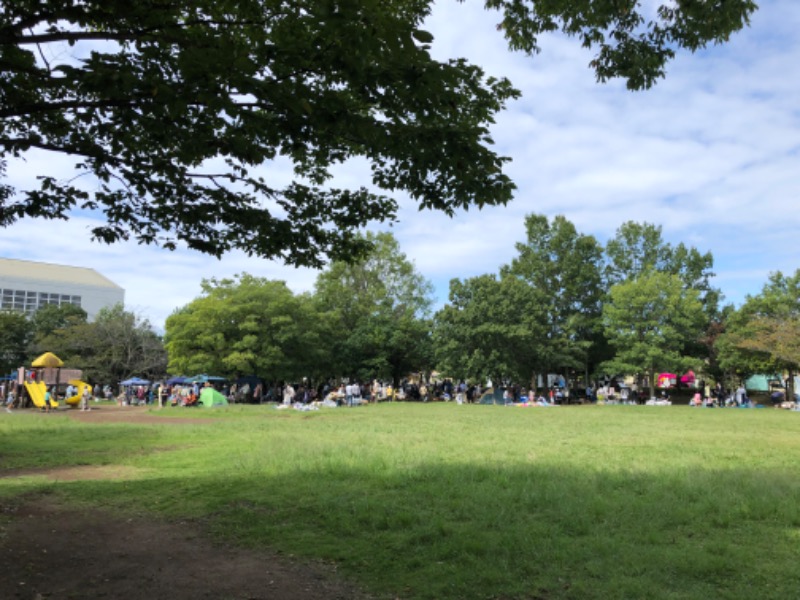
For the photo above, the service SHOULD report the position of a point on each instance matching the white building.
(27, 285)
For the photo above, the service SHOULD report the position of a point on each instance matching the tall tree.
(563, 267)
(647, 321)
(248, 326)
(635, 249)
(16, 332)
(382, 305)
(51, 317)
(115, 346)
(173, 107)
(761, 336)
(491, 328)
(638, 248)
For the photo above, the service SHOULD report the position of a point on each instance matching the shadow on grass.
(504, 531)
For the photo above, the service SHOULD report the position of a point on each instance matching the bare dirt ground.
(48, 551)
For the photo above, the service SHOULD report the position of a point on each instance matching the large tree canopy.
(762, 335)
(115, 346)
(173, 108)
(381, 305)
(563, 268)
(248, 326)
(648, 320)
(492, 328)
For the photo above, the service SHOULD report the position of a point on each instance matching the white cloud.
(711, 154)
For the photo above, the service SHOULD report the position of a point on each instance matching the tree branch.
(43, 107)
(13, 39)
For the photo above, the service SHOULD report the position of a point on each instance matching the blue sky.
(710, 154)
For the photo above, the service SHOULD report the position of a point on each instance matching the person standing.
(507, 396)
(85, 396)
(288, 394)
(740, 395)
(376, 390)
(461, 393)
(48, 400)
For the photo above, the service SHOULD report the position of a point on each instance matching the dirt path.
(48, 551)
(132, 414)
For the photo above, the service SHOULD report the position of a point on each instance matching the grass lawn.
(459, 502)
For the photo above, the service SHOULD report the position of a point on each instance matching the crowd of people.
(356, 393)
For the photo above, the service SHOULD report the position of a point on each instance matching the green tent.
(759, 383)
(211, 397)
(492, 396)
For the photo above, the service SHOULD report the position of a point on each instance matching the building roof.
(39, 271)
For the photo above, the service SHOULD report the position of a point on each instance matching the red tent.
(667, 380)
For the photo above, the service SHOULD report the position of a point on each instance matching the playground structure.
(79, 387)
(46, 373)
(36, 391)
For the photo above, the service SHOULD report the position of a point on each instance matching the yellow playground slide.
(36, 391)
(79, 387)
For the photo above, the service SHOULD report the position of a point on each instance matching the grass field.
(460, 502)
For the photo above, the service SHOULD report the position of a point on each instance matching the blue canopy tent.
(203, 379)
(176, 380)
(135, 381)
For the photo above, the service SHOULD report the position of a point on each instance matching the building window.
(29, 302)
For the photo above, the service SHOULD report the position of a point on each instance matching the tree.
(248, 326)
(639, 248)
(777, 337)
(631, 45)
(125, 345)
(762, 336)
(647, 321)
(16, 333)
(382, 307)
(563, 269)
(635, 249)
(51, 317)
(116, 345)
(710, 342)
(492, 328)
(173, 108)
